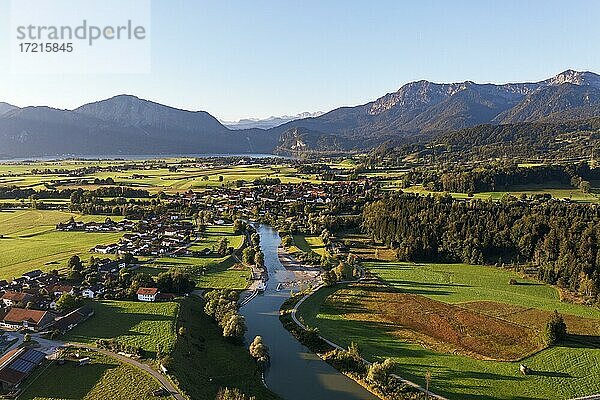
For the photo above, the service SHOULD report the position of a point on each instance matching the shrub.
(379, 372)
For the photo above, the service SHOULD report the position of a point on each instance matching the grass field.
(431, 314)
(309, 244)
(133, 322)
(104, 378)
(203, 361)
(30, 241)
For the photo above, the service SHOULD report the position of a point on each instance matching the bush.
(379, 373)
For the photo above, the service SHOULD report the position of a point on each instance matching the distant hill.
(267, 123)
(122, 125)
(418, 111)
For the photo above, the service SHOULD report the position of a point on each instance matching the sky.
(257, 58)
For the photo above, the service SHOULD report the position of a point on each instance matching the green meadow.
(137, 323)
(30, 241)
(564, 371)
(103, 378)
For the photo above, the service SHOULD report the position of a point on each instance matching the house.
(18, 318)
(92, 291)
(58, 290)
(12, 298)
(33, 274)
(147, 294)
(73, 319)
(17, 364)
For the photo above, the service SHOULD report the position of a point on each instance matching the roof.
(15, 296)
(18, 363)
(145, 291)
(34, 273)
(60, 288)
(18, 315)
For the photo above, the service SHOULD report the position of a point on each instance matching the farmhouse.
(58, 290)
(22, 318)
(147, 294)
(17, 364)
(92, 291)
(73, 319)
(11, 298)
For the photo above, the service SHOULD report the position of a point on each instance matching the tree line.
(499, 177)
(560, 239)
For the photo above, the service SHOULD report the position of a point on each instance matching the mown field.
(193, 176)
(29, 241)
(203, 361)
(141, 324)
(452, 319)
(104, 378)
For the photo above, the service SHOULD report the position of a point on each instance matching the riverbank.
(295, 372)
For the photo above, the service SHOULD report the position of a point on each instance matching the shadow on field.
(551, 374)
(581, 341)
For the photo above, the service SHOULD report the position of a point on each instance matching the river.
(295, 372)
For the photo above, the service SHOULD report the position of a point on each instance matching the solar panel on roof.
(33, 356)
(22, 366)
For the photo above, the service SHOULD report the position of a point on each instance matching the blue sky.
(256, 58)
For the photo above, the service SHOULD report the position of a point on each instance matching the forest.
(499, 177)
(560, 239)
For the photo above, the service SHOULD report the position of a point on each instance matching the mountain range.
(267, 123)
(128, 125)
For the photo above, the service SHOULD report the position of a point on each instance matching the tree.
(67, 302)
(223, 247)
(248, 255)
(259, 259)
(141, 279)
(181, 331)
(555, 330)
(239, 226)
(255, 239)
(232, 394)
(27, 338)
(235, 327)
(259, 350)
(75, 264)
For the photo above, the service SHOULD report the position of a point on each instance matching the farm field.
(141, 324)
(29, 241)
(203, 361)
(451, 319)
(152, 178)
(103, 378)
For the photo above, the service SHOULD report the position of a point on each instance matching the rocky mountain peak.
(581, 78)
